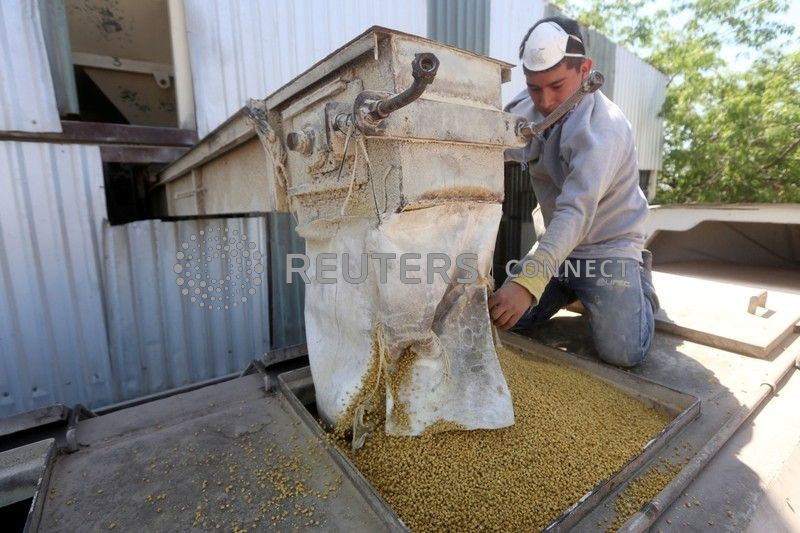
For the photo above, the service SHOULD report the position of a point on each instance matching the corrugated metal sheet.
(519, 202)
(461, 23)
(96, 314)
(180, 309)
(55, 29)
(509, 22)
(603, 52)
(27, 99)
(242, 49)
(639, 90)
(287, 301)
(53, 345)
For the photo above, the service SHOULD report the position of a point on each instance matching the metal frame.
(119, 143)
(34, 419)
(29, 462)
(299, 381)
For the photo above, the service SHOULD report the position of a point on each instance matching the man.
(586, 180)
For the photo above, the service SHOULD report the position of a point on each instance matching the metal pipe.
(184, 90)
(593, 81)
(647, 515)
(423, 68)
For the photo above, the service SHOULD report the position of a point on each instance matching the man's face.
(549, 88)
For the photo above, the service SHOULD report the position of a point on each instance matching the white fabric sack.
(451, 377)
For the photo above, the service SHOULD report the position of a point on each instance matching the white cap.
(546, 46)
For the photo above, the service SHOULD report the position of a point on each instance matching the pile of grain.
(571, 432)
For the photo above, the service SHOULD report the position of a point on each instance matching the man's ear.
(586, 68)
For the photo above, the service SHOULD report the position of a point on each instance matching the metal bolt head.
(301, 141)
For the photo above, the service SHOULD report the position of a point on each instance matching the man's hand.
(508, 304)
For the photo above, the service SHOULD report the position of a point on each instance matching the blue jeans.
(617, 305)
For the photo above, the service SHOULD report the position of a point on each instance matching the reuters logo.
(218, 268)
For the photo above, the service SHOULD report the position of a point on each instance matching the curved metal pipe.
(423, 68)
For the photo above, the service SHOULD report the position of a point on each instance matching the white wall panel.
(53, 345)
(27, 99)
(639, 90)
(242, 49)
(510, 20)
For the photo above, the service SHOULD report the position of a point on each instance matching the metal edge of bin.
(287, 353)
(288, 382)
(578, 510)
(33, 419)
(682, 406)
(671, 400)
(34, 518)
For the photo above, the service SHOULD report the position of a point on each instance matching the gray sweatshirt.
(586, 181)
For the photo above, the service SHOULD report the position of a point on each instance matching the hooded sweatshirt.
(586, 180)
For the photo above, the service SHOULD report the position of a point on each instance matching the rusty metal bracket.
(362, 117)
(370, 107)
(78, 413)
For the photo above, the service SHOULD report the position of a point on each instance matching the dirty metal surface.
(226, 456)
(22, 470)
(726, 316)
(31, 419)
(74, 132)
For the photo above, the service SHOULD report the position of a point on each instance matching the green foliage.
(730, 136)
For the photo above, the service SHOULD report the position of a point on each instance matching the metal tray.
(298, 388)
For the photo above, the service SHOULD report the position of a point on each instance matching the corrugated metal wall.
(53, 345)
(519, 202)
(179, 308)
(96, 314)
(242, 49)
(27, 98)
(603, 52)
(461, 23)
(509, 21)
(287, 303)
(639, 90)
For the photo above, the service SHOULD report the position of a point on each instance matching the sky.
(740, 61)
(737, 57)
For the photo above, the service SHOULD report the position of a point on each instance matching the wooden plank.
(716, 314)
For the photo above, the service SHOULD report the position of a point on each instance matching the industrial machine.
(391, 145)
(384, 157)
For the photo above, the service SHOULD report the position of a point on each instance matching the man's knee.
(621, 349)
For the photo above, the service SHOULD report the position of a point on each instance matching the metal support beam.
(184, 89)
(102, 133)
